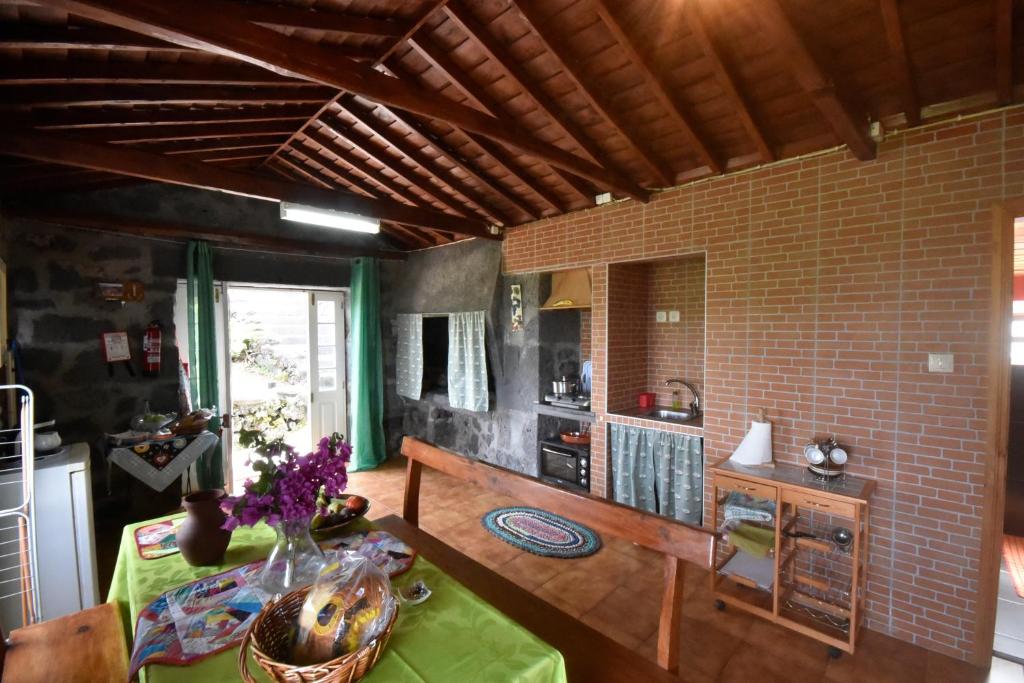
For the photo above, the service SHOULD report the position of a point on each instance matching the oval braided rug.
(541, 533)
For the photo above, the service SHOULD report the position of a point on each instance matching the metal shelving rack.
(18, 557)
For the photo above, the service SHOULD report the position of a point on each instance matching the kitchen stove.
(573, 401)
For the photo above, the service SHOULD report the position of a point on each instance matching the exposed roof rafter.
(1004, 50)
(896, 37)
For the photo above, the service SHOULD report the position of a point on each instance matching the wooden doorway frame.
(997, 437)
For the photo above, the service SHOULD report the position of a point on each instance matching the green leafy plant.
(260, 356)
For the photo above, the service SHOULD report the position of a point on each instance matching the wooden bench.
(589, 655)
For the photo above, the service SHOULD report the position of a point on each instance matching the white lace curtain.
(409, 356)
(467, 361)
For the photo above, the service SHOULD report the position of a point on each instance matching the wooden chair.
(678, 542)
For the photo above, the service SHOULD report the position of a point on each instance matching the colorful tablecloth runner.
(454, 636)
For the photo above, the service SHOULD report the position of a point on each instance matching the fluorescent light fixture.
(300, 213)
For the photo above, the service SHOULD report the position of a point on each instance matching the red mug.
(646, 399)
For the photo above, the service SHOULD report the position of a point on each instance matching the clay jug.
(200, 539)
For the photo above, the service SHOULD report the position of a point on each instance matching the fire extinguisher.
(151, 349)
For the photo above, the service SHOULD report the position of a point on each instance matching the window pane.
(1017, 353)
(325, 311)
(1018, 307)
(325, 334)
(1017, 329)
(327, 379)
(326, 357)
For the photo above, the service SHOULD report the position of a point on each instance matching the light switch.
(940, 362)
(673, 316)
(661, 316)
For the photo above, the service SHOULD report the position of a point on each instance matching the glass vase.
(294, 562)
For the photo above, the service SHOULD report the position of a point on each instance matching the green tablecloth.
(453, 637)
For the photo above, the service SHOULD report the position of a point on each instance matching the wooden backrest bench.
(678, 542)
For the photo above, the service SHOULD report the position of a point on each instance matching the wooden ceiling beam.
(119, 225)
(726, 80)
(462, 17)
(462, 81)
(323, 20)
(262, 142)
(468, 165)
(162, 168)
(23, 36)
(657, 86)
(71, 94)
(334, 148)
(381, 156)
(227, 31)
(354, 109)
(92, 117)
(403, 233)
(849, 126)
(39, 71)
(895, 36)
(557, 46)
(1004, 51)
(182, 131)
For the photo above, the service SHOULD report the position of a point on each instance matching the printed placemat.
(159, 539)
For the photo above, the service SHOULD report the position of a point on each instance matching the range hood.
(569, 289)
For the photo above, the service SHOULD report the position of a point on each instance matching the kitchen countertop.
(642, 414)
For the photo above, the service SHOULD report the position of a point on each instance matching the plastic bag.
(349, 605)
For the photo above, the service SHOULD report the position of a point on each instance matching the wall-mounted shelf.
(564, 413)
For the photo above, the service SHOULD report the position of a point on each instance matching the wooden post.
(411, 504)
(671, 614)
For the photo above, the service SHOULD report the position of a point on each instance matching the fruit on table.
(355, 503)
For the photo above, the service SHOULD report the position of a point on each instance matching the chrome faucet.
(695, 405)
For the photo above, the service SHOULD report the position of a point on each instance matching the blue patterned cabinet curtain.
(467, 361)
(659, 472)
(409, 355)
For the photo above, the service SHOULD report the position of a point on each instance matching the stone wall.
(467, 277)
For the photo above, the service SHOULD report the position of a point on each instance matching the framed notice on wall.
(115, 347)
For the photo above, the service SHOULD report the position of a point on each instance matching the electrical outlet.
(673, 316)
(940, 362)
(661, 316)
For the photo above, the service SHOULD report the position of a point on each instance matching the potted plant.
(289, 490)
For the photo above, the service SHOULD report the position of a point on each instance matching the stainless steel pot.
(565, 386)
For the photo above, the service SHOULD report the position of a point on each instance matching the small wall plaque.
(115, 347)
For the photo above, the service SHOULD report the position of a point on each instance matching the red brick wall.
(828, 282)
(676, 350)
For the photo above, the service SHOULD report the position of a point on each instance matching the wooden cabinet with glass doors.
(792, 548)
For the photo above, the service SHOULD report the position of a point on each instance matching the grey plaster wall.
(464, 277)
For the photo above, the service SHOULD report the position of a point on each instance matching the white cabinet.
(65, 541)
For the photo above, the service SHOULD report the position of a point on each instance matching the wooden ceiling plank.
(410, 151)
(458, 77)
(558, 48)
(725, 78)
(467, 165)
(323, 20)
(657, 86)
(72, 94)
(221, 145)
(161, 168)
(226, 31)
(147, 228)
(1004, 51)
(39, 71)
(896, 38)
(297, 171)
(850, 127)
(374, 175)
(382, 157)
(91, 117)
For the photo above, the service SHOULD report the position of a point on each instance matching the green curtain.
(367, 372)
(202, 355)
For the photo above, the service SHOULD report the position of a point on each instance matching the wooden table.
(590, 656)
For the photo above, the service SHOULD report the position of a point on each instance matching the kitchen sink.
(672, 415)
(663, 414)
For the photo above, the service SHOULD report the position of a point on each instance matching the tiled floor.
(1009, 619)
(617, 592)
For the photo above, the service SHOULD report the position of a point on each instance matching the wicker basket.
(271, 638)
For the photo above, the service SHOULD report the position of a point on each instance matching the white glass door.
(328, 410)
